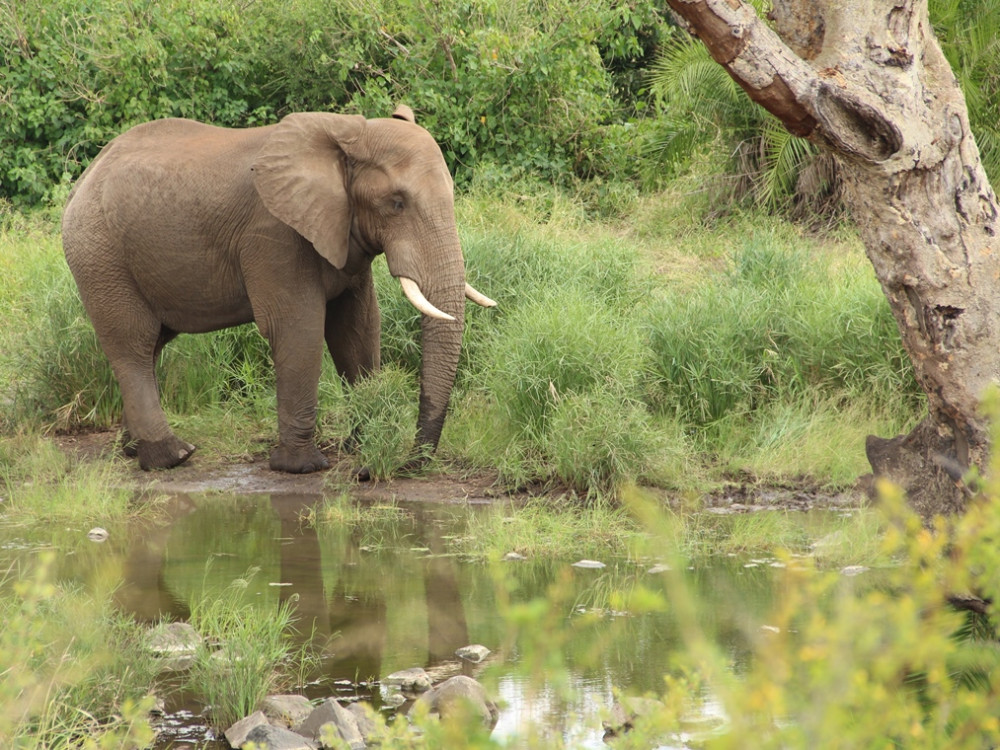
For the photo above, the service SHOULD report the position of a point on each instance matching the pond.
(390, 594)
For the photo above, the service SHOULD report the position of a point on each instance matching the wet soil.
(251, 474)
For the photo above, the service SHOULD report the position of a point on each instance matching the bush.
(522, 84)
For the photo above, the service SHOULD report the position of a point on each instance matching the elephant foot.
(298, 462)
(414, 466)
(364, 474)
(130, 447)
(162, 454)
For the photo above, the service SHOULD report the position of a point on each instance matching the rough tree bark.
(866, 80)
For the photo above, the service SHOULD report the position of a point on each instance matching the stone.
(853, 570)
(589, 564)
(413, 680)
(475, 653)
(268, 737)
(175, 642)
(236, 735)
(514, 557)
(459, 694)
(364, 717)
(97, 534)
(342, 723)
(286, 710)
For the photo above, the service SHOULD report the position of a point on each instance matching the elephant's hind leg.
(131, 338)
(129, 445)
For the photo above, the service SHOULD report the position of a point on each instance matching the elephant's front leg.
(297, 348)
(353, 337)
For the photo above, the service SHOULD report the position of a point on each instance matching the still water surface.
(391, 595)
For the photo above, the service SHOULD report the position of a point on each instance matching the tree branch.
(756, 58)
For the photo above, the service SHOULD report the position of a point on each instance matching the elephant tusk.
(412, 291)
(478, 297)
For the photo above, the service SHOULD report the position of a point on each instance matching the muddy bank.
(251, 475)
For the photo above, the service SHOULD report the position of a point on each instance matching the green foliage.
(701, 108)
(519, 84)
(246, 654)
(772, 324)
(591, 373)
(72, 671)
(382, 409)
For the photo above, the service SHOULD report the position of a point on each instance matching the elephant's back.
(172, 171)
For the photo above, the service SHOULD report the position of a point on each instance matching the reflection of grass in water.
(44, 484)
(375, 525)
(246, 654)
(550, 527)
(560, 528)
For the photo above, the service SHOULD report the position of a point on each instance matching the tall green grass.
(246, 653)
(667, 353)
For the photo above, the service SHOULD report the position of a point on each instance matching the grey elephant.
(178, 226)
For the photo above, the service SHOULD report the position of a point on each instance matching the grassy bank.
(655, 349)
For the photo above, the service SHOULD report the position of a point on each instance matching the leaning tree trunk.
(866, 80)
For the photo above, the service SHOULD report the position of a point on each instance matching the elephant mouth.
(366, 247)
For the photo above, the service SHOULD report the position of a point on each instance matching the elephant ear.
(404, 113)
(300, 174)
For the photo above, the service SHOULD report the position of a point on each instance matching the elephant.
(183, 227)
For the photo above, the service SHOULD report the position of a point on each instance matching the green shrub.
(522, 84)
(245, 655)
(597, 441)
(382, 413)
(565, 342)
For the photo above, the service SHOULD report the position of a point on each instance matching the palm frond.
(782, 157)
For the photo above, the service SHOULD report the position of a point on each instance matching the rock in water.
(457, 694)
(342, 722)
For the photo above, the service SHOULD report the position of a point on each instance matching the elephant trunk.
(440, 277)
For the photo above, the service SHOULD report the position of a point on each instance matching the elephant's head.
(356, 188)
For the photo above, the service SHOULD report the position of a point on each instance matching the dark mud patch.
(448, 484)
(252, 475)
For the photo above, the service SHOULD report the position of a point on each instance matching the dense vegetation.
(655, 327)
(604, 91)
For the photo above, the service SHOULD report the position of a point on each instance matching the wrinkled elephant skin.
(181, 227)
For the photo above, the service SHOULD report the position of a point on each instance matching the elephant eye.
(398, 205)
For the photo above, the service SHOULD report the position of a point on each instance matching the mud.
(449, 484)
(251, 475)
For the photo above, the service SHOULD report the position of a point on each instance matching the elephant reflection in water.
(350, 622)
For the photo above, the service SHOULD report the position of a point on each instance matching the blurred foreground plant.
(72, 674)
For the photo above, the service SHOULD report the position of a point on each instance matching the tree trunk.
(867, 81)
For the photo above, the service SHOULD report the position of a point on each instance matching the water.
(391, 595)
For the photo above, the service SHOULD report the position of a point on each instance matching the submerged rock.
(176, 643)
(457, 695)
(413, 680)
(589, 564)
(475, 653)
(625, 712)
(853, 570)
(97, 534)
